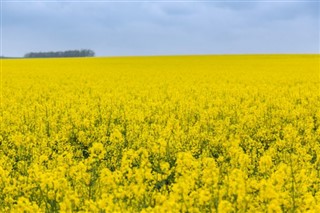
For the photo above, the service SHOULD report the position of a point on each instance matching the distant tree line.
(68, 53)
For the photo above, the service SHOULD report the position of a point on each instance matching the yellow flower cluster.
(161, 134)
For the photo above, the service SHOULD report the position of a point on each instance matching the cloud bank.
(161, 28)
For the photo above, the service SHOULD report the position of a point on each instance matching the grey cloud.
(161, 28)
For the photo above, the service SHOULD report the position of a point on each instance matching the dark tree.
(59, 54)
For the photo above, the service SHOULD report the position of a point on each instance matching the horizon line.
(161, 55)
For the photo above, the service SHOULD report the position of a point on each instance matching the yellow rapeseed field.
(161, 134)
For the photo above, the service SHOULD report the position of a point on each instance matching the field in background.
(161, 134)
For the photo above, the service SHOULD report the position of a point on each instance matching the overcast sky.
(160, 28)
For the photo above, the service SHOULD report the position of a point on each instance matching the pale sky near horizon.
(112, 28)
